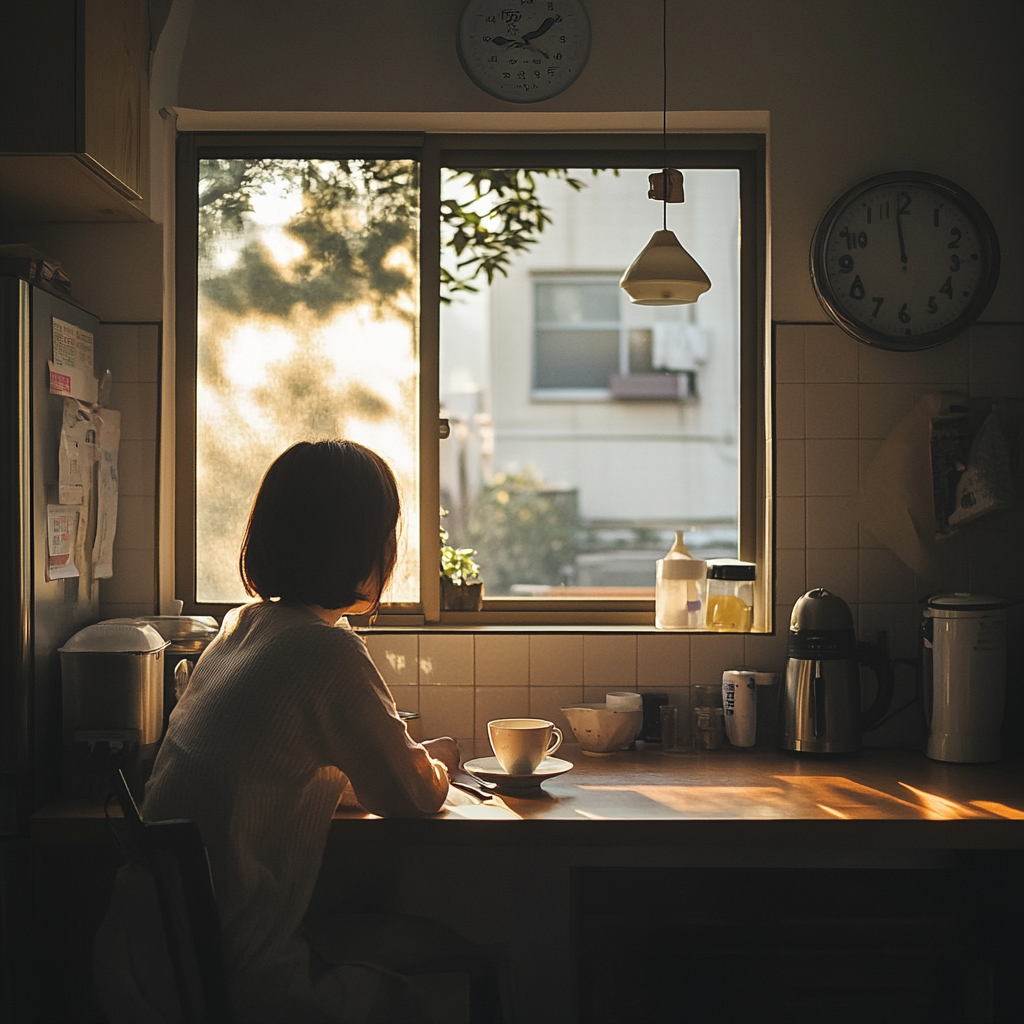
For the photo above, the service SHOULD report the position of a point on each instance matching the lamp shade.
(664, 274)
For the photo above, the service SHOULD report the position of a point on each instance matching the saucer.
(488, 769)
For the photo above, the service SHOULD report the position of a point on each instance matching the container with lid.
(730, 598)
(112, 685)
(964, 670)
(679, 589)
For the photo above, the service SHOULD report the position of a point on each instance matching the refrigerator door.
(36, 615)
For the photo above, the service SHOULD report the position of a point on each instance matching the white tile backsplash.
(830, 355)
(396, 656)
(663, 659)
(610, 661)
(446, 660)
(502, 660)
(556, 660)
(832, 466)
(831, 410)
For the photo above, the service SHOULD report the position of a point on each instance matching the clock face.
(524, 50)
(905, 261)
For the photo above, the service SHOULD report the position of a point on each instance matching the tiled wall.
(132, 354)
(836, 401)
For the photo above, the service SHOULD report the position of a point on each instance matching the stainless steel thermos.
(820, 705)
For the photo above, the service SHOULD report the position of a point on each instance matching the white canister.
(739, 701)
(966, 637)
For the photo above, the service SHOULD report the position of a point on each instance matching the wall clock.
(524, 51)
(904, 261)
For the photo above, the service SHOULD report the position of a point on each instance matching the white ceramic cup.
(520, 744)
(739, 699)
(624, 700)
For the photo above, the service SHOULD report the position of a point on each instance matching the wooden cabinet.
(74, 111)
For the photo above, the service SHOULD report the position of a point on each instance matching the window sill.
(456, 624)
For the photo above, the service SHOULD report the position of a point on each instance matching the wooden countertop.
(729, 797)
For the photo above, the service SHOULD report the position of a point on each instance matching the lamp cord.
(664, 114)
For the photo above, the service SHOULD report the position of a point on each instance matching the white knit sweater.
(283, 711)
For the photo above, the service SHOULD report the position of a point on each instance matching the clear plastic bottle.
(679, 589)
(730, 597)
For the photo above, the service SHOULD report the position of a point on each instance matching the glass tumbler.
(671, 733)
(708, 728)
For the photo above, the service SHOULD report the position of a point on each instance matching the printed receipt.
(71, 368)
(61, 539)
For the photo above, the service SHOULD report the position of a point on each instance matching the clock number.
(933, 306)
(492, 60)
(558, 56)
(954, 263)
(857, 288)
(904, 204)
(955, 244)
(490, 20)
(903, 314)
(561, 39)
(506, 74)
(846, 263)
(487, 39)
(947, 288)
(877, 300)
(854, 240)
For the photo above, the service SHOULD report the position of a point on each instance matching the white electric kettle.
(964, 668)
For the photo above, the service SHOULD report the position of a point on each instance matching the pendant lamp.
(664, 274)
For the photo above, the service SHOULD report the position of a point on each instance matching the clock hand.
(899, 228)
(541, 29)
(502, 41)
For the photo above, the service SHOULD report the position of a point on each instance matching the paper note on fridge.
(61, 536)
(77, 453)
(109, 440)
(71, 368)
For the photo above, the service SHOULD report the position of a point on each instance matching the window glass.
(307, 328)
(585, 429)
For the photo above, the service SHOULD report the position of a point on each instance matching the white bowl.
(601, 729)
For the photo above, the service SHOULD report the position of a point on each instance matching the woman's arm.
(391, 774)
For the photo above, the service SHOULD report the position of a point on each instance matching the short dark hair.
(321, 525)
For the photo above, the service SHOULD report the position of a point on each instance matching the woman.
(284, 713)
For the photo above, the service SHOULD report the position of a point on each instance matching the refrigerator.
(36, 615)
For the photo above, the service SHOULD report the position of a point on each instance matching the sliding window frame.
(747, 152)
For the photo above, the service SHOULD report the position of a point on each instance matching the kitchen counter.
(729, 797)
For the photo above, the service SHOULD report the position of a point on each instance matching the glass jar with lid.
(730, 595)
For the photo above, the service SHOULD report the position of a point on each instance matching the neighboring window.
(577, 332)
(584, 430)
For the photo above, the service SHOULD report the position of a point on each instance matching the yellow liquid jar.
(730, 596)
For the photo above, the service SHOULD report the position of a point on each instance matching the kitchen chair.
(173, 853)
(458, 984)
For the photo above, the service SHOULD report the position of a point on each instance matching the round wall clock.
(524, 51)
(904, 261)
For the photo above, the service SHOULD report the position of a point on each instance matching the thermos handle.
(875, 659)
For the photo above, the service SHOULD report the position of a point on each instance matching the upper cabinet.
(74, 111)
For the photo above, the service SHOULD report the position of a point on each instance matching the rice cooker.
(113, 706)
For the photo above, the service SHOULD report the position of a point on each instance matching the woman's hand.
(445, 750)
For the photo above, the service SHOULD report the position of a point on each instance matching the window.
(584, 430)
(577, 336)
(589, 343)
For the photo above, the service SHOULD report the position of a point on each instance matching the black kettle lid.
(820, 610)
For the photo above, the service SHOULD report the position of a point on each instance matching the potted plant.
(461, 589)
